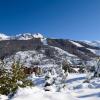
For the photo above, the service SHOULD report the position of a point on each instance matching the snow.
(76, 90)
(40, 58)
(60, 51)
(39, 94)
(44, 41)
(97, 52)
(3, 97)
(27, 36)
(3, 36)
(24, 36)
(77, 44)
(92, 50)
(92, 43)
(83, 91)
(42, 38)
(38, 35)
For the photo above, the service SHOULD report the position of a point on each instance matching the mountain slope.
(92, 43)
(28, 41)
(73, 47)
(46, 56)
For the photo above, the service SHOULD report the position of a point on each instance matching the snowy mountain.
(44, 57)
(27, 36)
(94, 46)
(4, 37)
(92, 43)
(29, 41)
(24, 36)
(51, 55)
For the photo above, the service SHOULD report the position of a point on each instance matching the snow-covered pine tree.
(49, 81)
(11, 79)
(61, 79)
(97, 67)
(55, 79)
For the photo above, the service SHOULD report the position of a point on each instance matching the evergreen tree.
(55, 81)
(11, 79)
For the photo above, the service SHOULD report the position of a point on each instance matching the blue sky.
(74, 19)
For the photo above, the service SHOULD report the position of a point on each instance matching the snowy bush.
(55, 82)
(13, 78)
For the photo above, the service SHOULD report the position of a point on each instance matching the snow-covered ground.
(83, 91)
(76, 90)
(38, 94)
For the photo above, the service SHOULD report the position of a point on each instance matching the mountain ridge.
(29, 41)
(26, 36)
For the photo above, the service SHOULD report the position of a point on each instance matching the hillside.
(45, 61)
(27, 41)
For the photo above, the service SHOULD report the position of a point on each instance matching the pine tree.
(11, 79)
(55, 81)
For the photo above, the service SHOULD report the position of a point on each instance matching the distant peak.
(26, 36)
(38, 35)
(23, 36)
(3, 36)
